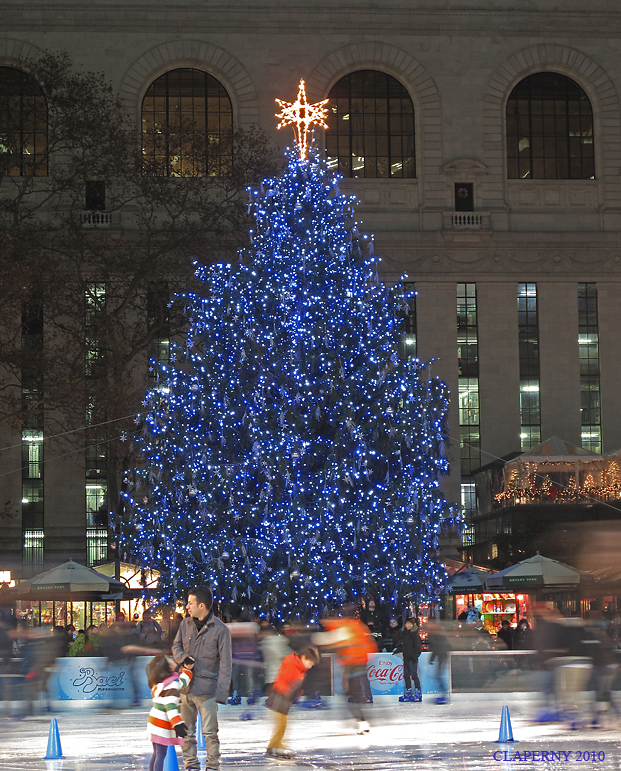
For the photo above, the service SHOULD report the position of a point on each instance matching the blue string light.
(292, 460)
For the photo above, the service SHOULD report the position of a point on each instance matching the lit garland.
(291, 460)
(530, 482)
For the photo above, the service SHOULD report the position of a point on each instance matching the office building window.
(588, 347)
(468, 363)
(23, 125)
(32, 423)
(158, 320)
(528, 326)
(32, 555)
(407, 345)
(549, 129)
(468, 510)
(96, 434)
(370, 127)
(96, 546)
(187, 126)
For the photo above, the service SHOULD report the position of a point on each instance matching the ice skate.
(418, 695)
(235, 699)
(279, 753)
(407, 695)
(363, 727)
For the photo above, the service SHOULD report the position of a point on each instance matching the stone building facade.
(551, 239)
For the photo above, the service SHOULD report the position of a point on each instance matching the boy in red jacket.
(285, 689)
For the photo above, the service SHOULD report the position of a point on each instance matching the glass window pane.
(371, 119)
(553, 115)
(192, 113)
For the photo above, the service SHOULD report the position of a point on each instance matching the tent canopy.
(70, 581)
(537, 572)
(555, 450)
(468, 580)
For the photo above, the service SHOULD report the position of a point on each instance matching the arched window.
(549, 129)
(187, 124)
(371, 127)
(23, 125)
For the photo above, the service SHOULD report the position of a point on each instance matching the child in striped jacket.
(165, 726)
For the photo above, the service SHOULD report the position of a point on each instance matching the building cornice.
(353, 18)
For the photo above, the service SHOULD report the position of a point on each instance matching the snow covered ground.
(458, 736)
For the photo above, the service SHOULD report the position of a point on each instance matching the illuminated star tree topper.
(302, 116)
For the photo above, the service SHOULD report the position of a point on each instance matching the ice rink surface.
(458, 736)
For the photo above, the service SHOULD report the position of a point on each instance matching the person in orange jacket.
(285, 689)
(352, 642)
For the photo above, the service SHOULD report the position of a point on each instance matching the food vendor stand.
(68, 593)
(467, 588)
(540, 578)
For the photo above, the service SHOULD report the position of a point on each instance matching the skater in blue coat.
(411, 646)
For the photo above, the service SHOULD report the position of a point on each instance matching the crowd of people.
(202, 662)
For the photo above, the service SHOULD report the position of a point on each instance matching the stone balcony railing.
(466, 220)
(96, 219)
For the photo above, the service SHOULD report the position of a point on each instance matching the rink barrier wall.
(94, 682)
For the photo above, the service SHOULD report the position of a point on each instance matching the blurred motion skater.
(352, 642)
(285, 689)
(439, 646)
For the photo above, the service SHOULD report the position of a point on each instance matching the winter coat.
(164, 715)
(211, 650)
(351, 639)
(149, 631)
(411, 644)
(506, 636)
(288, 683)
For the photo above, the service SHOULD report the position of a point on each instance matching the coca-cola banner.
(385, 673)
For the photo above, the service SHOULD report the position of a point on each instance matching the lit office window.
(32, 432)
(187, 125)
(468, 510)
(370, 127)
(468, 362)
(528, 326)
(407, 346)
(32, 554)
(549, 129)
(96, 434)
(588, 347)
(158, 320)
(96, 546)
(23, 125)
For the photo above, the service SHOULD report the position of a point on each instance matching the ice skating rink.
(458, 736)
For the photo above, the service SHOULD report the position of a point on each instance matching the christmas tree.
(290, 459)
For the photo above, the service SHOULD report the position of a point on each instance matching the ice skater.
(165, 726)
(412, 647)
(352, 642)
(285, 689)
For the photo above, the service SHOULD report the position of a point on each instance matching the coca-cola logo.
(385, 672)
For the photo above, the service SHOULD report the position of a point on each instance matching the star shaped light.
(302, 116)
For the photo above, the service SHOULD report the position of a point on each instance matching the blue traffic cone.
(170, 761)
(54, 750)
(200, 738)
(506, 734)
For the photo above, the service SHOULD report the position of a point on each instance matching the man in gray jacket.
(205, 639)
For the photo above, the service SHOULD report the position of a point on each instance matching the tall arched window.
(371, 127)
(187, 124)
(23, 125)
(549, 129)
